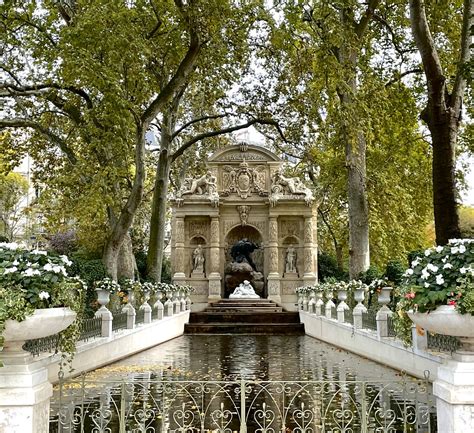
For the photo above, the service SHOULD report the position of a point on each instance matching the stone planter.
(446, 320)
(103, 297)
(43, 322)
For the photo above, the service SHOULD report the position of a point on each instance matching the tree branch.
(179, 78)
(361, 26)
(424, 42)
(25, 123)
(465, 55)
(215, 133)
(403, 74)
(199, 119)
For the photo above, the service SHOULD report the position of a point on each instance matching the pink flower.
(410, 295)
(452, 302)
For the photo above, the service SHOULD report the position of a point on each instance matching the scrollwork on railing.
(149, 406)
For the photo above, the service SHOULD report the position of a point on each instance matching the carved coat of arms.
(243, 180)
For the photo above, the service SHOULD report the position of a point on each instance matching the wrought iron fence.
(42, 345)
(90, 328)
(369, 320)
(150, 406)
(140, 317)
(443, 343)
(119, 321)
(391, 327)
(348, 316)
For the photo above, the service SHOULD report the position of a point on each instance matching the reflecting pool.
(246, 383)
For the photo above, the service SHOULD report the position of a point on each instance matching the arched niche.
(297, 244)
(240, 232)
(193, 243)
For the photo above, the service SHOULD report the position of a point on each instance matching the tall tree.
(444, 106)
(94, 90)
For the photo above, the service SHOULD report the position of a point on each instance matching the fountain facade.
(244, 195)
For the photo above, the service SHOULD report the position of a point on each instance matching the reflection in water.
(332, 390)
(262, 357)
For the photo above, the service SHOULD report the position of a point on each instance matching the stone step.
(245, 328)
(237, 309)
(244, 317)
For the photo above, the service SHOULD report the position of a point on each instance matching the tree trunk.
(359, 253)
(126, 264)
(158, 216)
(442, 115)
(121, 225)
(355, 149)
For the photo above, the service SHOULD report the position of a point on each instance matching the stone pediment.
(243, 152)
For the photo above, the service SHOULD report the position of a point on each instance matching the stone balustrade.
(313, 303)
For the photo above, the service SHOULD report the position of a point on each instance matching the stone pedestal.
(454, 391)
(24, 398)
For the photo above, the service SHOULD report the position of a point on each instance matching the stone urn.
(43, 323)
(446, 320)
(103, 298)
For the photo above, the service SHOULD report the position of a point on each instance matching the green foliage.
(13, 189)
(166, 271)
(370, 275)
(90, 270)
(328, 268)
(463, 298)
(394, 272)
(433, 279)
(33, 279)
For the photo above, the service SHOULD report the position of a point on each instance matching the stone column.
(214, 266)
(24, 397)
(179, 277)
(454, 391)
(309, 276)
(273, 279)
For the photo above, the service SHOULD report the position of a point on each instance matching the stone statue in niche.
(241, 251)
(198, 260)
(290, 260)
(288, 186)
(244, 290)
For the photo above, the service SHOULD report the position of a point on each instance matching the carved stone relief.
(244, 214)
(289, 286)
(198, 228)
(308, 261)
(215, 231)
(290, 228)
(289, 188)
(243, 180)
(179, 227)
(308, 230)
(273, 230)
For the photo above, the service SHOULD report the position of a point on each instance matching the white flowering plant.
(35, 272)
(108, 285)
(33, 279)
(442, 275)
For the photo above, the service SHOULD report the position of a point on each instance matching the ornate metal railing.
(348, 316)
(369, 320)
(391, 327)
(119, 321)
(41, 345)
(90, 328)
(443, 343)
(152, 406)
(140, 317)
